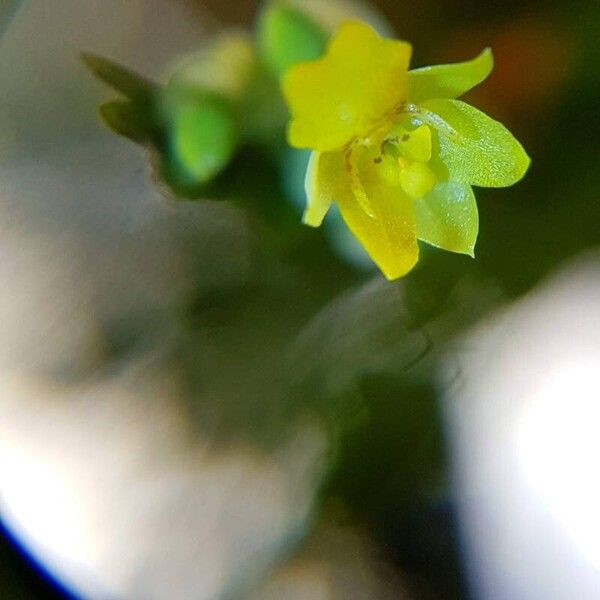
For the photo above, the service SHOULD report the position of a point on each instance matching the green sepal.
(473, 147)
(286, 36)
(449, 81)
(447, 217)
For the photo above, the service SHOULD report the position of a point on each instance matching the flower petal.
(449, 81)
(389, 236)
(324, 179)
(447, 217)
(475, 148)
(349, 91)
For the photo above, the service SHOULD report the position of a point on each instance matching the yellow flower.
(393, 148)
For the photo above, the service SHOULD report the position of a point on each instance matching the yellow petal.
(351, 158)
(348, 92)
(389, 236)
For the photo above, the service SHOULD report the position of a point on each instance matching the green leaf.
(287, 36)
(128, 119)
(203, 138)
(130, 84)
(473, 147)
(447, 217)
(449, 81)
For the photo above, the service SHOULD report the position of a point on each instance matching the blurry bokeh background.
(204, 399)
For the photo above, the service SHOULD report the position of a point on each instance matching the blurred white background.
(524, 410)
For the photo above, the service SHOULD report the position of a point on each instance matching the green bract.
(136, 88)
(128, 119)
(132, 117)
(203, 138)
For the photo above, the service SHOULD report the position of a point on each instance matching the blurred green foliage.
(286, 36)
(215, 103)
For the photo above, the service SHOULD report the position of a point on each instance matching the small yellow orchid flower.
(393, 148)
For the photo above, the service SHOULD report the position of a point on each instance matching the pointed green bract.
(449, 81)
(286, 36)
(130, 84)
(447, 217)
(128, 119)
(473, 147)
(203, 138)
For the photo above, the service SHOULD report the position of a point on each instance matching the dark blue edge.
(33, 570)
